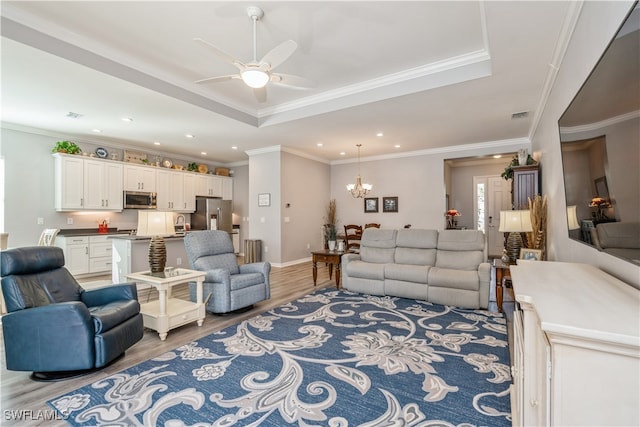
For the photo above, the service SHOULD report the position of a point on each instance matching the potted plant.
(507, 174)
(66, 147)
(331, 234)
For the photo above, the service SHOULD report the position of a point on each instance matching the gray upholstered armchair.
(227, 286)
(56, 328)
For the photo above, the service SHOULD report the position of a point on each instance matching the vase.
(522, 157)
(332, 245)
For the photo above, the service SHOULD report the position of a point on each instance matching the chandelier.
(359, 190)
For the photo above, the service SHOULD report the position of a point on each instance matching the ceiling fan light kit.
(256, 74)
(254, 77)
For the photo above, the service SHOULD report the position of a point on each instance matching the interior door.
(498, 199)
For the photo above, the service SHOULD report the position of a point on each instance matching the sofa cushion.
(619, 235)
(461, 240)
(459, 260)
(407, 273)
(416, 247)
(378, 245)
(366, 270)
(451, 278)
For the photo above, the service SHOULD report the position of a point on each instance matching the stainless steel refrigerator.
(212, 213)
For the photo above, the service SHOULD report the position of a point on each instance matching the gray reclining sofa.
(446, 267)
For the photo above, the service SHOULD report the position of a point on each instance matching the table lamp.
(156, 224)
(514, 223)
(572, 218)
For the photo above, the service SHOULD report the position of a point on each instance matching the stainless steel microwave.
(140, 200)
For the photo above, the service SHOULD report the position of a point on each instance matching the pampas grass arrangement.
(537, 239)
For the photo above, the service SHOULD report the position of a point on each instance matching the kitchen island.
(131, 255)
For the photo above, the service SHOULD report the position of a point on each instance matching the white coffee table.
(168, 313)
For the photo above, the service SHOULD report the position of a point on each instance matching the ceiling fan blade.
(218, 79)
(260, 94)
(292, 81)
(221, 54)
(279, 54)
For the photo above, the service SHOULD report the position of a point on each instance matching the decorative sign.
(264, 199)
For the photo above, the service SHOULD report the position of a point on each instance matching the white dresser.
(576, 347)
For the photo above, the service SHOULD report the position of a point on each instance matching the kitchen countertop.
(90, 232)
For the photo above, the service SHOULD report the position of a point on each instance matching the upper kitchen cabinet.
(102, 185)
(87, 184)
(227, 188)
(208, 185)
(175, 191)
(139, 178)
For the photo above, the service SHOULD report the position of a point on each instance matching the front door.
(498, 199)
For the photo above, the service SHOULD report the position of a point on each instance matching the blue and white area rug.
(332, 358)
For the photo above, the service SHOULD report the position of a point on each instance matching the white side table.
(168, 313)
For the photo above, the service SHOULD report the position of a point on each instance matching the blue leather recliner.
(227, 286)
(56, 328)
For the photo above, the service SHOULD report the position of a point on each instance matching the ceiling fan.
(256, 74)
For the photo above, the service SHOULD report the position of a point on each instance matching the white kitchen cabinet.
(100, 250)
(68, 182)
(170, 190)
(76, 253)
(227, 188)
(87, 184)
(208, 185)
(139, 178)
(189, 192)
(576, 346)
(86, 255)
(102, 185)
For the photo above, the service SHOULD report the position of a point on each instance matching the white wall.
(597, 24)
(418, 182)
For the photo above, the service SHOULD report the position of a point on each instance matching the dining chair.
(48, 236)
(372, 225)
(352, 236)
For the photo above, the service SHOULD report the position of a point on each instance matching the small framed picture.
(264, 199)
(370, 204)
(389, 204)
(531, 254)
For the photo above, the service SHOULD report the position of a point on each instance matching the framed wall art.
(389, 204)
(370, 204)
(264, 199)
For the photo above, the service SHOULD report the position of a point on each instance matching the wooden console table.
(501, 271)
(168, 313)
(331, 258)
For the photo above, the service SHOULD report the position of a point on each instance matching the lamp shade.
(515, 221)
(154, 223)
(572, 218)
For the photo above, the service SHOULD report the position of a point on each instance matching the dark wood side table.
(331, 258)
(501, 270)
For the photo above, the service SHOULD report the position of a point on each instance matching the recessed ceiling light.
(96, 130)
(127, 119)
(342, 153)
(203, 153)
(234, 148)
(156, 143)
(188, 135)
(397, 146)
(319, 144)
(497, 156)
(379, 134)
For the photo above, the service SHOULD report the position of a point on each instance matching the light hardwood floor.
(19, 393)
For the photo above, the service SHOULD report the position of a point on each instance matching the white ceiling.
(430, 75)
